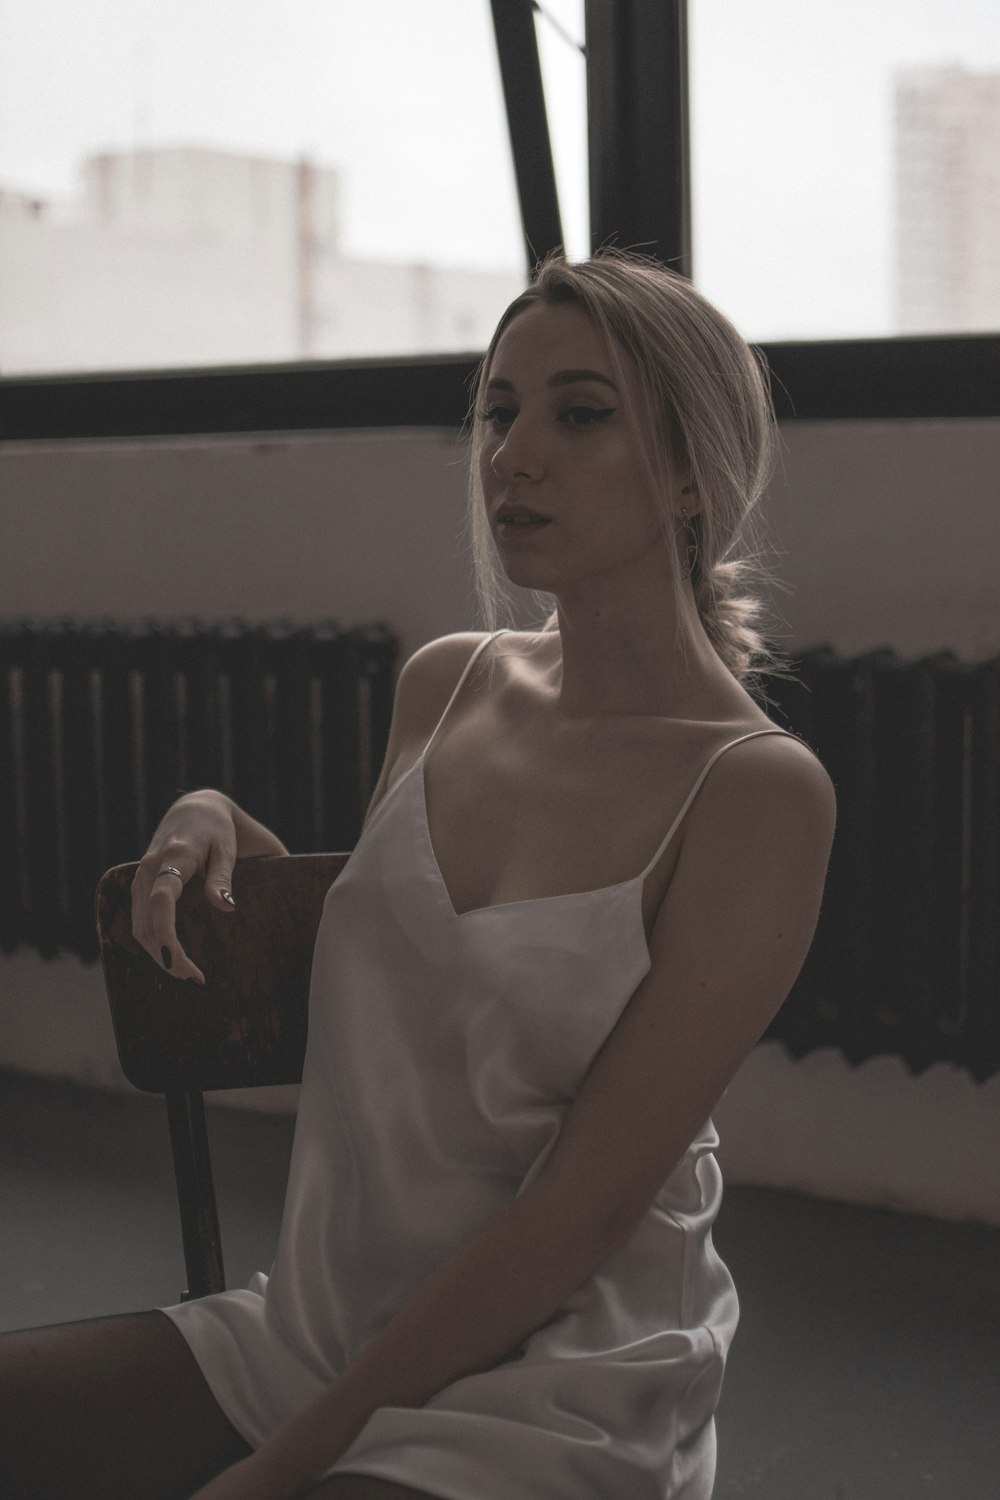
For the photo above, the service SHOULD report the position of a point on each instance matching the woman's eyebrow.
(570, 377)
(561, 377)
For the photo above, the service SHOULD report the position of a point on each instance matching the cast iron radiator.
(100, 728)
(103, 726)
(906, 958)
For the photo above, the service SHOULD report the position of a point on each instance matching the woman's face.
(558, 444)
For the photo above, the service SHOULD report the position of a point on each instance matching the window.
(794, 115)
(846, 166)
(185, 184)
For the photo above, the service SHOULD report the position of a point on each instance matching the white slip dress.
(444, 1052)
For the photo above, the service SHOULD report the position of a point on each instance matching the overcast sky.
(791, 123)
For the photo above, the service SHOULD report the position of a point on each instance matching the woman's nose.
(518, 456)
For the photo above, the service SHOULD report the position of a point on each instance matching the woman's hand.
(197, 836)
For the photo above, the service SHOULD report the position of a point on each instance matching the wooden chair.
(246, 1027)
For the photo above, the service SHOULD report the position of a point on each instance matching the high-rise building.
(177, 256)
(947, 171)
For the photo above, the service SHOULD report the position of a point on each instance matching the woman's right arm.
(205, 832)
(202, 833)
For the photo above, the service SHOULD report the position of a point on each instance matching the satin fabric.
(444, 1051)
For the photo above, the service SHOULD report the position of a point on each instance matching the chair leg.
(195, 1195)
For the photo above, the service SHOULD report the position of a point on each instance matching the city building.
(947, 170)
(180, 256)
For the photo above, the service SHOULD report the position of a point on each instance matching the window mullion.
(637, 108)
(527, 122)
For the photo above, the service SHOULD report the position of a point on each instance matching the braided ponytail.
(730, 615)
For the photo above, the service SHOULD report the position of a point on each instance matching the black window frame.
(636, 59)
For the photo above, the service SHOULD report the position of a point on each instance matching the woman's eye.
(498, 416)
(586, 416)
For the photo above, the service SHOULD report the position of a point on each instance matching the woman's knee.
(110, 1407)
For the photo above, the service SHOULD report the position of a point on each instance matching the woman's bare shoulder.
(445, 649)
(779, 766)
(429, 677)
(424, 686)
(441, 662)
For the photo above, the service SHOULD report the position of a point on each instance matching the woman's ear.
(690, 491)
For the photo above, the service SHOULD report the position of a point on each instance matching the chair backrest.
(244, 1028)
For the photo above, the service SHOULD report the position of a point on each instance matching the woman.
(495, 1276)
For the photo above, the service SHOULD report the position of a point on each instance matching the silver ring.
(169, 870)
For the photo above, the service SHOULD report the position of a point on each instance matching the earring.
(691, 545)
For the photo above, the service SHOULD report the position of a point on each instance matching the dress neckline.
(564, 896)
(475, 911)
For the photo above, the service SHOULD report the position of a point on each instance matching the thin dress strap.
(697, 786)
(458, 686)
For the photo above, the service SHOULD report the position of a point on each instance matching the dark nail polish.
(165, 955)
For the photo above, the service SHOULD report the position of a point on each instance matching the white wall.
(354, 527)
(887, 534)
(891, 531)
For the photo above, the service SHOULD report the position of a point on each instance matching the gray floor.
(867, 1365)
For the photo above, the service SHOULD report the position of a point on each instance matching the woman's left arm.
(728, 943)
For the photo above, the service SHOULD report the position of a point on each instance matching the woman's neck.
(632, 662)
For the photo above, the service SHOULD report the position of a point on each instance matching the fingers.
(219, 877)
(195, 836)
(159, 880)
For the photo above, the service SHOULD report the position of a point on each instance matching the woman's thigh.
(109, 1409)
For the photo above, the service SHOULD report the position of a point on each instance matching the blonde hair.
(709, 418)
